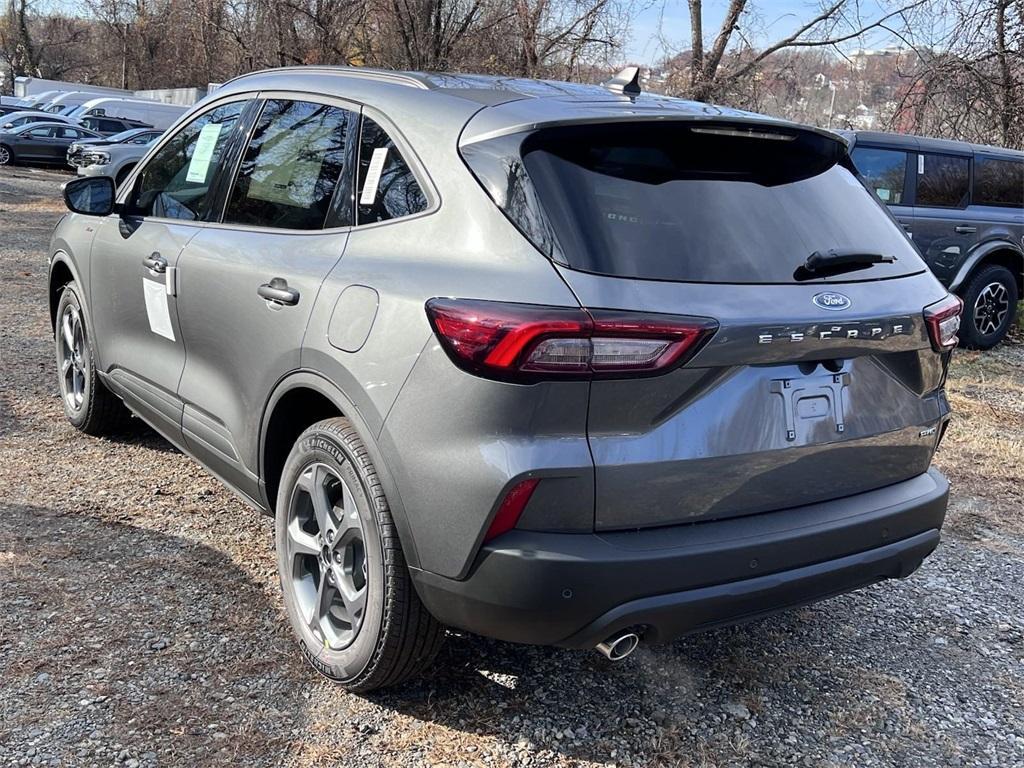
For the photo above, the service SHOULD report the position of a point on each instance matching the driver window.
(176, 182)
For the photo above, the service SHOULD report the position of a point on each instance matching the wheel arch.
(300, 400)
(999, 252)
(62, 272)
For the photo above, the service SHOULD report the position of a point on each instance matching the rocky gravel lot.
(140, 622)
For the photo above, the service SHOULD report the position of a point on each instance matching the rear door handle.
(277, 291)
(155, 263)
(963, 229)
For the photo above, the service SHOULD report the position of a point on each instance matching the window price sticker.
(377, 160)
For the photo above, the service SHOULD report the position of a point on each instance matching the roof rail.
(407, 79)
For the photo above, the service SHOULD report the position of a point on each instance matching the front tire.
(6, 155)
(990, 307)
(88, 404)
(346, 587)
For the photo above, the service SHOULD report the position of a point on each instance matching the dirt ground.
(141, 625)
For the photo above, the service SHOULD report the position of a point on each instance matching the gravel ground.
(141, 623)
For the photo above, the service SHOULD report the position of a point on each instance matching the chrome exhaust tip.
(619, 646)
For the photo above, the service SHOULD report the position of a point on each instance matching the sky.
(771, 20)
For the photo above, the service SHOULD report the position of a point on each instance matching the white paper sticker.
(199, 165)
(377, 160)
(920, 164)
(156, 308)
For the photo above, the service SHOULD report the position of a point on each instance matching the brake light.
(527, 342)
(511, 508)
(943, 320)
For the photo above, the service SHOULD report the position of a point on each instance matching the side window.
(884, 170)
(944, 182)
(387, 188)
(292, 166)
(998, 182)
(70, 133)
(175, 183)
(110, 125)
(40, 133)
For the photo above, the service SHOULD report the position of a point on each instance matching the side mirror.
(91, 195)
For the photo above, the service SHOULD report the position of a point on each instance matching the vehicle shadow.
(116, 637)
(583, 707)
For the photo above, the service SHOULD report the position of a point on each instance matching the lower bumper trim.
(666, 617)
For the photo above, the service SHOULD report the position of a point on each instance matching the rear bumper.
(574, 590)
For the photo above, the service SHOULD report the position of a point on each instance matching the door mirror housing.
(91, 195)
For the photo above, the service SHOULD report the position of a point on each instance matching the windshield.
(76, 111)
(691, 202)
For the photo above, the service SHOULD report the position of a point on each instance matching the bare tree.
(967, 81)
(732, 57)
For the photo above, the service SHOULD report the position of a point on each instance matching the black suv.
(963, 206)
(108, 126)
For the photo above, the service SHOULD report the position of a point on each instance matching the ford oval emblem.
(832, 301)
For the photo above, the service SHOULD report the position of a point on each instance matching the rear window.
(690, 202)
(998, 182)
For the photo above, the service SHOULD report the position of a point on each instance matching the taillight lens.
(943, 319)
(524, 342)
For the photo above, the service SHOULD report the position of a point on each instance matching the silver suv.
(557, 364)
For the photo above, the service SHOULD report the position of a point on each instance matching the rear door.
(944, 229)
(248, 284)
(816, 385)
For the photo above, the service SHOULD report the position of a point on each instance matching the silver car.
(558, 364)
(114, 159)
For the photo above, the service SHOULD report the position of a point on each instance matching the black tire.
(990, 307)
(90, 407)
(6, 155)
(122, 175)
(394, 638)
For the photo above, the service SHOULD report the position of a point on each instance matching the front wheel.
(345, 583)
(6, 156)
(990, 307)
(88, 404)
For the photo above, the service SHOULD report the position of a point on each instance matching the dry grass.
(983, 452)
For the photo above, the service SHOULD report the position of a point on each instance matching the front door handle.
(277, 291)
(963, 229)
(155, 263)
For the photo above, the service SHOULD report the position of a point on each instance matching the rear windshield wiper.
(824, 261)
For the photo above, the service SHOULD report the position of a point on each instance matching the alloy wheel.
(73, 362)
(326, 556)
(5, 156)
(991, 308)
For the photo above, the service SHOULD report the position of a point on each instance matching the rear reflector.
(527, 342)
(511, 508)
(943, 319)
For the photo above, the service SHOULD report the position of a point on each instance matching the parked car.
(152, 113)
(111, 126)
(40, 142)
(17, 119)
(115, 160)
(559, 364)
(10, 108)
(139, 136)
(963, 205)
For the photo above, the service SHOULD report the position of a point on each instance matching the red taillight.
(943, 319)
(511, 508)
(529, 342)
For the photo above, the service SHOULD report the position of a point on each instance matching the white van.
(154, 113)
(63, 103)
(39, 100)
